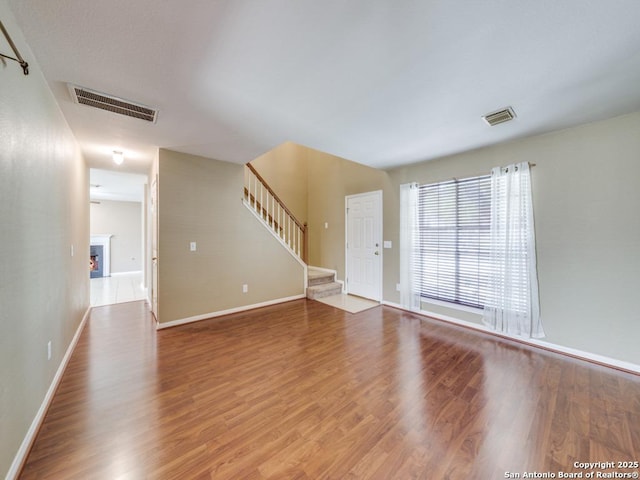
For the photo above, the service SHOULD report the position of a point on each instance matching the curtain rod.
(19, 59)
(483, 174)
(506, 169)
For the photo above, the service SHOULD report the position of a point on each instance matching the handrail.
(300, 225)
(261, 198)
(262, 210)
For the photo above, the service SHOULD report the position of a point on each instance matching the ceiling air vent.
(103, 101)
(501, 116)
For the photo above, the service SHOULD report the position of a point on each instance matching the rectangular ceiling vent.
(103, 101)
(504, 115)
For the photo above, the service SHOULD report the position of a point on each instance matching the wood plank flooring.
(305, 391)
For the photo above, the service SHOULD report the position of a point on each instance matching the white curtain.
(512, 305)
(409, 297)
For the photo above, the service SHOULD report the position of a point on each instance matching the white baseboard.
(206, 316)
(572, 352)
(30, 437)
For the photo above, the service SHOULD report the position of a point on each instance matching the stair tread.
(325, 286)
(319, 277)
(323, 290)
(318, 273)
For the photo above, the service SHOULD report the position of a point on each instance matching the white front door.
(364, 245)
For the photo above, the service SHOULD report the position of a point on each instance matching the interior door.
(364, 245)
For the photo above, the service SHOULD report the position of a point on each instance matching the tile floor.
(348, 303)
(118, 288)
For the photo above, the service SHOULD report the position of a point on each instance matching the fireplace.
(95, 261)
(100, 256)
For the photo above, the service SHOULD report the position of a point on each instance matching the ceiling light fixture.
(118, 157)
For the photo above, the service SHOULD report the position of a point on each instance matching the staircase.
(260, 199)
(321, 284)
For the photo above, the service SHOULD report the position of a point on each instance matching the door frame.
(378, 193)
(153, 258)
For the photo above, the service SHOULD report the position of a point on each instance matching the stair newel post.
(305, 252)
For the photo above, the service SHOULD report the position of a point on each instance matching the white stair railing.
(274, 213)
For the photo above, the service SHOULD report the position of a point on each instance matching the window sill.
(451, 306)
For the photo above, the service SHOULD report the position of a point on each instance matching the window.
(453, 238)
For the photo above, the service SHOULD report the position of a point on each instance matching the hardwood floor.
(305, 391)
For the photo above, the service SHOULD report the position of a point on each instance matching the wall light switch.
(387, 244)
(192, 246)
(245, 288)
(72, 250)
(49, 350)
(326, 225)
(397, 287)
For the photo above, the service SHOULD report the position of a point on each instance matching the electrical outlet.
(245, 288)
(49, 350)
(387, 244)
(192, 246)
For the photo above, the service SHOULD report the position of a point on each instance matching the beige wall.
(200, 201)
(586, 198)
(313, 185)
(331, 179)
(285, 170)
(124, 221)
(44, 291)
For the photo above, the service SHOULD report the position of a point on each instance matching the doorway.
(117, 227)
(364, 245)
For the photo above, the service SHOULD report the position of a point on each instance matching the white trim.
(30, 436)
(282, 242)
(380, 232)
(275, 235)
(207, 316)
(573, 352)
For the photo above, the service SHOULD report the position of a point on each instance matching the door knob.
(376, 253)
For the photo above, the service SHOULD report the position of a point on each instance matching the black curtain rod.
(19, 59)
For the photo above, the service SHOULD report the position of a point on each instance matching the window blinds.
(453, 241)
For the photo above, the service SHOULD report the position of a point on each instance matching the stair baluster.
(259, 196)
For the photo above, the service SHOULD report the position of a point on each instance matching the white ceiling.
(380, 82)
(114, 185)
